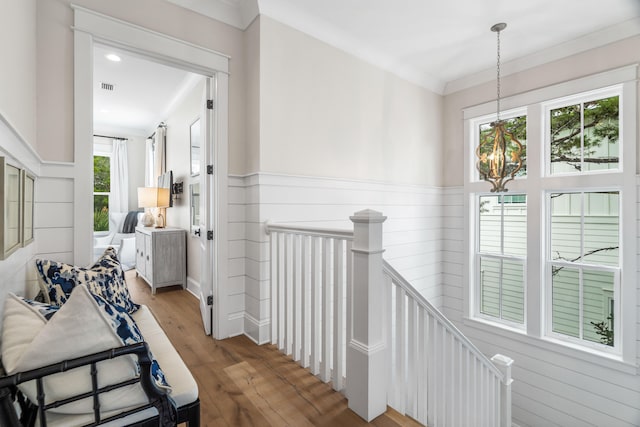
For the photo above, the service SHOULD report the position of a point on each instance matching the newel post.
(366, 350)
(503, 363)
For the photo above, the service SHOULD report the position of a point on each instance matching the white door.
(207, 211)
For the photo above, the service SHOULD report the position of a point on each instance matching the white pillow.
(80, 327)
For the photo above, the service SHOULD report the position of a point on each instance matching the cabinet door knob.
(197, 232)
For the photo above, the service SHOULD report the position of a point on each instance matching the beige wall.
(252, 93)
(55, 65)
(324, 112)
(615, 55)
(18, 70)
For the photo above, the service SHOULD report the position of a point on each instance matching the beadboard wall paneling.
(551, 387)
(236, 255)
(412, 231)
(53, 219)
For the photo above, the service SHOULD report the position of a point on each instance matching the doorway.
(168, 51)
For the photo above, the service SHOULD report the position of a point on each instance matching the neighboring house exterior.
(316, 134)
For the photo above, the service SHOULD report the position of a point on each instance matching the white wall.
(326, 113)
(18, 73)
(179, 161)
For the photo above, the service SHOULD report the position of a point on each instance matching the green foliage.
(604, 330)
(100, 213)
(101, 174)
(569, 135)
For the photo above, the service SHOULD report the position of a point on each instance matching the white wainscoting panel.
(412, 232)
(236, 256)
(551, 387)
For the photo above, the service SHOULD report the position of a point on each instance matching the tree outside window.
(101, 191)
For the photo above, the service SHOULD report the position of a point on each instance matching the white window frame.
(502, 257)
(606, 92)
(535, 185)
(549, 263)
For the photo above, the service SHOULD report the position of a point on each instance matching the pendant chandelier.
(499, 150)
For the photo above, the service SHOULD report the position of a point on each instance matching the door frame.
(89, 27)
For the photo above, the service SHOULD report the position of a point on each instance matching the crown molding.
(237, 13)
(587, 42)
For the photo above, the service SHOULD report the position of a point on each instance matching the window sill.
(570, 350)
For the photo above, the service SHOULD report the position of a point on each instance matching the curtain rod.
(161, 125)
(111, 137)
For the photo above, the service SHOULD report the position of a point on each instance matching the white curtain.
(119, 199)
(149, 168)
(159, 153)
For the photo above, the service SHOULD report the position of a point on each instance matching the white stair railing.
(310, 273)
(436, 375)
(340, 310)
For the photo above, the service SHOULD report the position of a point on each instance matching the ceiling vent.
(106, 86)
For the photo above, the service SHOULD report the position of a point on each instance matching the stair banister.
(366, 351)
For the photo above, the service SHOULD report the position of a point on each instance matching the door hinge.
(209, 169)
(210, 235)
(210, 300)
(209, 104)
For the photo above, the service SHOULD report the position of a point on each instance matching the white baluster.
(306, 315)
(282, 281)
(325, 368)
(289, 256)
(273, 256)
(295, 294)
(316, 309)
(338, 316)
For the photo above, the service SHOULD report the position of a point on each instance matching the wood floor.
(241, 383)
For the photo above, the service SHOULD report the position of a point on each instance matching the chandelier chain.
(498, 78)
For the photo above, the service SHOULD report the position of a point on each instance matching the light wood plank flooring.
(241, 383)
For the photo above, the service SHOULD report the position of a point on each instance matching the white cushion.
(79, 328)
(184, 388)
(116, 221)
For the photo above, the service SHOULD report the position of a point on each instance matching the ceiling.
(441, 44)
(444, 46)
(143, 94)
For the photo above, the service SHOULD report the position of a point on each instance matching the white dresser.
(161, 256)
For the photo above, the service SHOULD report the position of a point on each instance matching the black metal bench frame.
(168, 413)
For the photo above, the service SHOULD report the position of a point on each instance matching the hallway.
(242, 384)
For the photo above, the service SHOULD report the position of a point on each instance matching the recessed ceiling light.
(113, 57)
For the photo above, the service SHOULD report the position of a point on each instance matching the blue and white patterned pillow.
(45, 310)
(104, 278)
(128, 331)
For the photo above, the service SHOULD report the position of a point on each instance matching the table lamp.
(153, 197)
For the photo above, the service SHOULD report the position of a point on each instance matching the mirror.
(28, 187)
(10, 201)
(195, 147)
(194, 201)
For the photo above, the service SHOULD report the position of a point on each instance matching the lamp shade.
(153, 197)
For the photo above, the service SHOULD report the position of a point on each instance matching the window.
(584, 265)
(553, 256)
(501, 258)
(584, 136)
(101, 189)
